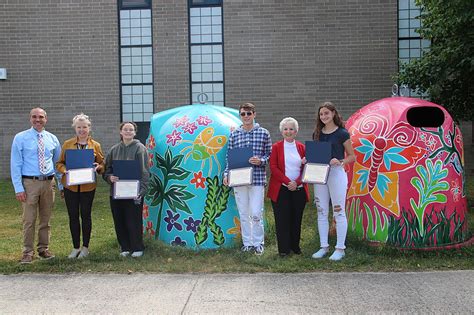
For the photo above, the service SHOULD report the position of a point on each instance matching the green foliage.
(429, 188)
(439, 230)
(216, 203)
(175, 195)
(376, 231)
(446, 69)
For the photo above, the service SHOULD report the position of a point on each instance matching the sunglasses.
(246, 114)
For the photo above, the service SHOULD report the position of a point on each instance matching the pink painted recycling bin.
(407, 186)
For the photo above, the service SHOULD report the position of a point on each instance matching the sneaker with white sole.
(337, 255)
(137, 254)
(259, 250)
(84, 253)
(246, 248)
(320, 253)
(74, 253)
(125, 253)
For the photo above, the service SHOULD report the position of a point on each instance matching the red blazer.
(277, 167)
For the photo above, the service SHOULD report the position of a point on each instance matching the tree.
(445, 71)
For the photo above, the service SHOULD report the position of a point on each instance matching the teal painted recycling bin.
(186, 204)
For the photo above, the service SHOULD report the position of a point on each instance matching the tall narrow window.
(410, 45)
(136, 60)
(206, 50)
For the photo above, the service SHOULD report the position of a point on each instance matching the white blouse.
(292, 160)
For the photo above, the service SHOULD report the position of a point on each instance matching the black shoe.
(297, 252)
(283, 254)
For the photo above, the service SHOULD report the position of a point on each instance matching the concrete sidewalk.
(424, 292)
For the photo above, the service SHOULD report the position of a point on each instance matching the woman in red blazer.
(286, 190)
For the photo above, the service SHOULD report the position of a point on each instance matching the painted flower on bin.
(189, 128)
(455, 189)
(150, 159)
(149, 228)
(191, 224)
(198, 180)
(145, 211)
(172, 221)
(151, 143)
(181, 121)
(203, 120)
(174, 137)
(178, 242)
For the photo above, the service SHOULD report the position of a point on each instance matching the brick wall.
(288, 56)
(61, 55)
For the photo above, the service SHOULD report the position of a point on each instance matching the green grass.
(161, 258)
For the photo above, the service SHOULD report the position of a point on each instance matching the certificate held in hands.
(240, 169)
(80, 167)
(129, 174)
(318, 155)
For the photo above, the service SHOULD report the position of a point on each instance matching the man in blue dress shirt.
(34, 154)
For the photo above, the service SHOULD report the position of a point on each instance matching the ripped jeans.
(335, 189)
(249, 201)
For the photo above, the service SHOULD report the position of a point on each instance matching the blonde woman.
(79, 198)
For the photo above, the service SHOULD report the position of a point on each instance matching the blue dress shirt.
(24, 156)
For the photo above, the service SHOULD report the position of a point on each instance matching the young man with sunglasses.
(249, 198)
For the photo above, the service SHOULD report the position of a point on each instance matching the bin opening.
(426, 116)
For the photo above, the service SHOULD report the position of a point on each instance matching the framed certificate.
(126, 189)
(315, 173)
(240, 176)
(80, 176)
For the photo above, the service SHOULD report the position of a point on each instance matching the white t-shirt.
(292, 160)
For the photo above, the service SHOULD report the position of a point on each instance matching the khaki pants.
(39, 202)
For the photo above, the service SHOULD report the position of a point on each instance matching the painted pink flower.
(181, 121)
(173, 137)
(203, 120)
(189, 128)
(198, 180)
(455, 189)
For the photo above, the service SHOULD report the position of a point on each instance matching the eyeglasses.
(246, 114)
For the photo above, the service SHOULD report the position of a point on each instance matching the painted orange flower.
(151, 142)
(149, 229)
(145, 211)
(150, 159)
(236, 229)
(198, 180)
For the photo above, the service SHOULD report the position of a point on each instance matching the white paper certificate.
(80, 176)
(315, 173)
(126, 189)
(240, 176)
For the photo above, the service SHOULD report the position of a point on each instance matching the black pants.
(128, 224)
(288, 211)
(79, 203)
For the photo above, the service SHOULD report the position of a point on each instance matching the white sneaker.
(259, 250)
(337, 255)
(246, 248)
(137, 254)
(125, 253)
(320, 253)
(84, 253)
(74, 253)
